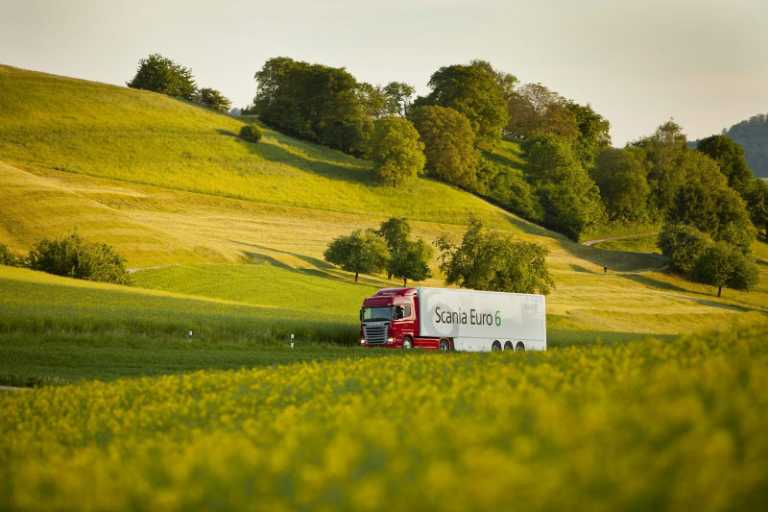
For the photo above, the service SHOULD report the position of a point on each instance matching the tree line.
(573, 180)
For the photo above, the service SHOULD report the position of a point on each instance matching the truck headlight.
(390, 340)
(362, 341)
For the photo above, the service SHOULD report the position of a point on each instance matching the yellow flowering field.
(644, 425)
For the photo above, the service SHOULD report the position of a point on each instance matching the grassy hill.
(204, 215)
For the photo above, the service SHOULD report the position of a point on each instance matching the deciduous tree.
(486, 260)
(361, 251)
(160, 74)
(396, 150)
(723, 265)
(449, 144)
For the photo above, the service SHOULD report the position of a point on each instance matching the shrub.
(7, 257)
(251, 133)
(72, 256)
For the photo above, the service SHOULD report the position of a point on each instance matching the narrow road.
(590, 243)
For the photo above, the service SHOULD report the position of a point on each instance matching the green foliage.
(594, 133)
(251, 133)
(72, 256)
(475, 91)
(730, 157)
(486, 260)
(395, 232)
(665, 153)
(362, 251)
(318, 103)
(411, 261)
(621, 176)
(160, 74)
(396, 150)
(723, 265)
(449, 144)
(213, 99)
(507, 187)
(683, 245)
(720, 212)
(569, 197)
(756, 197)
(399, 97)
(7, 257)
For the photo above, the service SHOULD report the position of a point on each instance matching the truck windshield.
(376, 313)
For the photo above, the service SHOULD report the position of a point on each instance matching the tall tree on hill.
(473, 90)
(593, 133)
(665, 152)
(362, 251)
(730, 157)
(621, 176)
(448, 140)
(396, 150)
(399, 97)
(568, 195)
(318, 103)
(213, 99)
(160, 74)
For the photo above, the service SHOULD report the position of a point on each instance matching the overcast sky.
(638, 63)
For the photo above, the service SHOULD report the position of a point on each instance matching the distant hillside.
(752, 134)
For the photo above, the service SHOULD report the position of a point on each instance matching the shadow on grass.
(621, 261)
(326, 162)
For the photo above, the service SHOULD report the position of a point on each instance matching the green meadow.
(225, 238)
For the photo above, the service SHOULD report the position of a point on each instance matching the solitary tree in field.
(396, 150)
(160, 74)
(362, 251)
(411, 261)
(213, 99)
(485, 260)
(723, 265)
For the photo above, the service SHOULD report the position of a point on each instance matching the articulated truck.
(452, 319)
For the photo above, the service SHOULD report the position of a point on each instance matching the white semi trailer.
(454, 319)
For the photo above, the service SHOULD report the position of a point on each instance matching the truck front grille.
(375, 333)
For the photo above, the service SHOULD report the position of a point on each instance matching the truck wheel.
(496, 347)
(407, 343)
(519, 347)
(508, 346)
(445, 345)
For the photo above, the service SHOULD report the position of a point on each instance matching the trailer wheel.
(519, 347)
(508, 346)
(496, 347)
(407, 343)
(445, 345)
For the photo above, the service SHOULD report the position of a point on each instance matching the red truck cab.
(390, 319)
